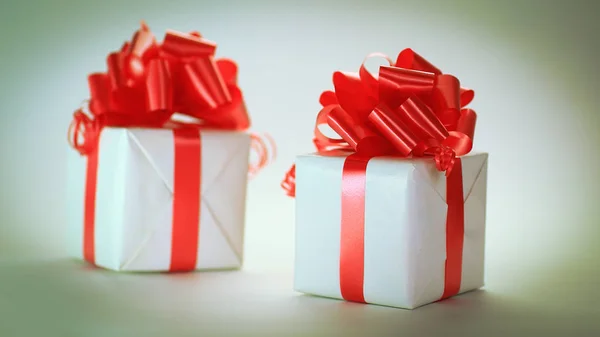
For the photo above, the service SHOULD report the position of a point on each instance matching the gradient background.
(533, 65)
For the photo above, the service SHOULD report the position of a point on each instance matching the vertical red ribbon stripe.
(89, 207)
(455, 230)
(186, 200)
(352, 246)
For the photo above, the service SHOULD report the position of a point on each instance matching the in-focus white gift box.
(404, 229)
(134, 199)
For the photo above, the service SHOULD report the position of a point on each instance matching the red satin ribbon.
(411, 109)
(352, 249)
(146, 84)
(455, 231)
(89, 217)
(186, 200)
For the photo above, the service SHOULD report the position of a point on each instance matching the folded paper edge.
(151, 232)
(237, 252)
(483, 164)
(148, 157)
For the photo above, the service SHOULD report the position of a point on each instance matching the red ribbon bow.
(410, 109)
(147, 82)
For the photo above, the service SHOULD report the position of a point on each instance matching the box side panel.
(147, 203)
(387, 234)
(109, 198)
(426, 210)
(318, 214)
(223, 202)
(148, 229)
(475, 217)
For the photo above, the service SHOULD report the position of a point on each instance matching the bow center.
(444, 159)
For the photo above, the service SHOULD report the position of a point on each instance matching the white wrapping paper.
(134, 199)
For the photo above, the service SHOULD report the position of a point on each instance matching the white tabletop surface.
(68, 298)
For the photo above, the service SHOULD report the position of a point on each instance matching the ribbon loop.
(264, 148)
(158, 87)
(100, 89)
(397, 84)
(445, 99)
(409, 59)
(83, 131)
(143, 40)
(206, 83)
(187, 45)
(369, 80)
(466, 96)
(394, 129)
(461, 140)
(228, 70)
(421, 119)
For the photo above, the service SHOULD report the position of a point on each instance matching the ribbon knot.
(444, 159)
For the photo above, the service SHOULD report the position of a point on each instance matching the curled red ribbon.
(411, 109)
(148, 82)
(265, 150)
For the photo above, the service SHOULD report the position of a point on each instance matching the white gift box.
(404, 228)
(134, 199)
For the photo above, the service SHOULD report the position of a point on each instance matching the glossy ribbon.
(411, 109)
(186, 199)
(147, 83)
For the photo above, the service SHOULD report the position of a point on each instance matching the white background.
(533, 65)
